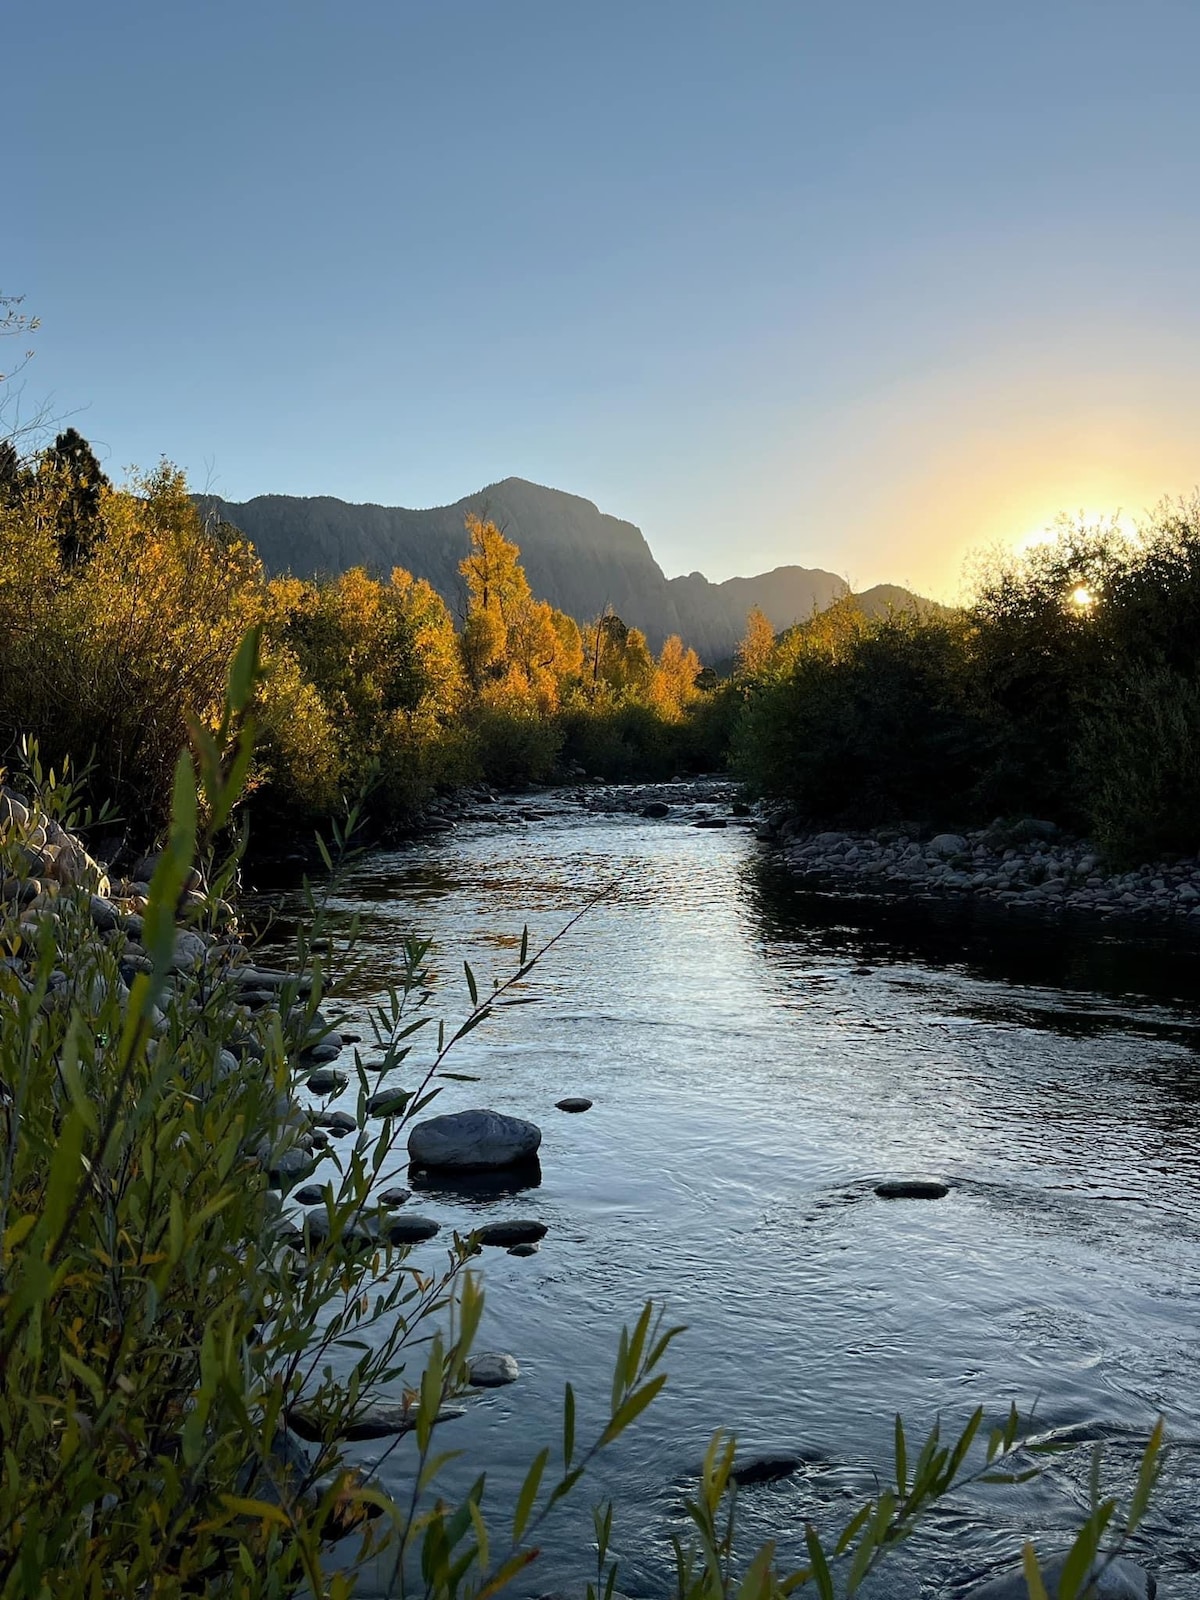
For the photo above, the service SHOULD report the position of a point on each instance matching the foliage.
(1069, 688)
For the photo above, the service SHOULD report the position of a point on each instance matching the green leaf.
(568, 1427)
(1148, 1474)
(1033, 1574)
(820, 1567)
(901, 1459)
(528, 1494)
(472, 986)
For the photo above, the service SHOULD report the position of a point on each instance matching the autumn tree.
(516, 650)
(673, 686)
(757, 646)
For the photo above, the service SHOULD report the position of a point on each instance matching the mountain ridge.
(578, 557)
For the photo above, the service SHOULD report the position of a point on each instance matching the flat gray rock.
(395, 1197)
(376, 1422)
(912, 1189)
(1119, 1580)
(492, 1371)
(508, 1234)
(473, 1141)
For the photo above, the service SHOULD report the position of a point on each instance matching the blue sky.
(860, 285)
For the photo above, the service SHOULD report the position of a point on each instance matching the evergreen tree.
(76, 485)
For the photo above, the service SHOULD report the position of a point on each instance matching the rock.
(492, 1371)
(326, 1080)
(408, 1229)
(104, 914)
(945, 845)
(524, 1249)
(574, 1103)
(506, 1234)
(765, 1469)
(289, 1166)
(312, 1194)
(473, 1141)
(190, 950)
(710, 822)
(912, 1189)
(656, 808)
(395, 1197)
(389, 1103)
(324, 1050)
(377, 1421)
(338, 1123)
(1121, 1579)
(739, 808)
(143, 869)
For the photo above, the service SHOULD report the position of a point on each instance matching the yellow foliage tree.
(673, 687)
(757, 646)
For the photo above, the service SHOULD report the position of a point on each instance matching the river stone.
(492, 1371)
(326, 1080)
(523, 1249)
(765, 1469)
(395, 1197)
(656, 808)
(378, 1421)
(389, 1103)
(312, 1194)
(328, 1049)
(189, 949)
(1119, 1580)
(574, 1102)
(408, 1229)
(945, 845)
(710, 822)
(473, 1140)
(912, 1189)
(339, 1123)
(508, 1234)
(104, 914)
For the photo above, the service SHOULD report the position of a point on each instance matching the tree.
(757, 646)
(74, 486)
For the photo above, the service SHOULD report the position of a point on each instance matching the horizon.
(864, 292)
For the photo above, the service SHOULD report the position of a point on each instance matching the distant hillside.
(577, 558)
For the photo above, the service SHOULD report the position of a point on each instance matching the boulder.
(478, 1140)
(327, 1049)
(395, 1197)
(1118, 1580)
(945, 845)
(574, 1103)
(656, 808)
(506, 1234)
(710, 822)
(190, 950)
(339, 1123)
(492, 1371)
(389, 1103)
(327, 1080)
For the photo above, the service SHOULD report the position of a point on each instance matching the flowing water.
(758, 1059)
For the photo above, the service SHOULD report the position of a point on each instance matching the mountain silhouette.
(576, 556)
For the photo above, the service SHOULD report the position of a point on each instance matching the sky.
(862, 285)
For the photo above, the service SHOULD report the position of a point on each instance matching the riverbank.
(1026, 867)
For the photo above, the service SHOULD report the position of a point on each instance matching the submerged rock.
(656, 808)
(473, 1141)
(768, 1468)
(388, 1102)
(377, 1421)
(912, 1189)
(492, 1371)
(508, 1234)
(523, 1249)
(1118, 1580)
(574, 1103)
(710, 822)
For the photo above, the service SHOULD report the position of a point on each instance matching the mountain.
(576, 557)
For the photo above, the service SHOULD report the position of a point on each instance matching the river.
(758, 1059)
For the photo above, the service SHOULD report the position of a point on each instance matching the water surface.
(758, 1059)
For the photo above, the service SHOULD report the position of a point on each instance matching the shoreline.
(1027, 868)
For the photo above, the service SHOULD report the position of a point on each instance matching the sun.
(1082, 597)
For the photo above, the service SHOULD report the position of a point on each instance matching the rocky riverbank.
(1028, 866)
